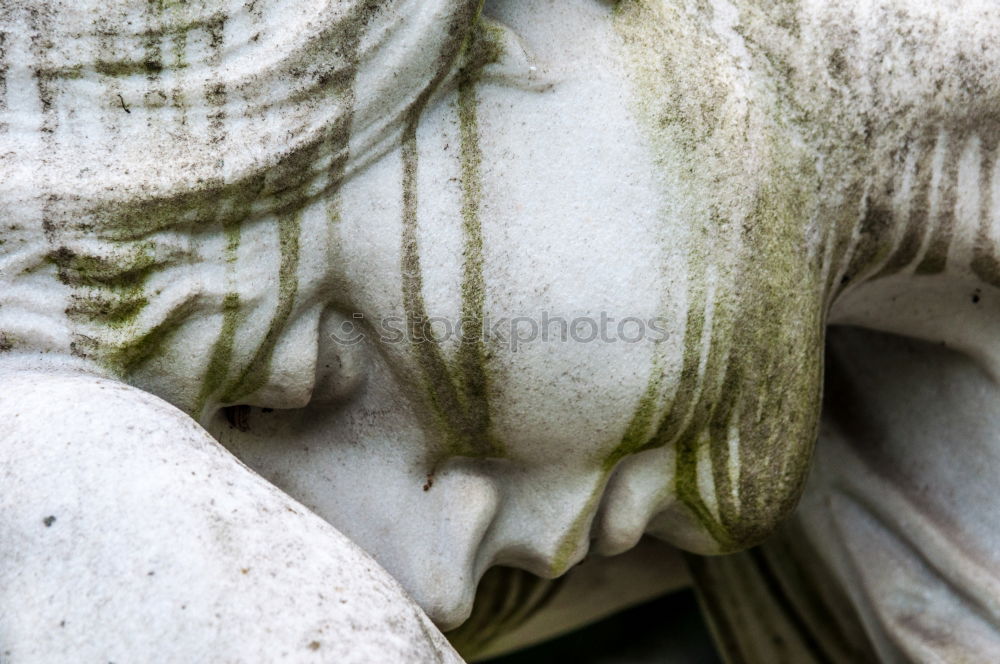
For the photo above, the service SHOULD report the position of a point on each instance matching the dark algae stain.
(985, 259)
(936, 255)
(121, 271)
(901, 222)
(471, 359)
(115, 312)
(232, 314)
(127, 356)
(108, 289)
(255, 374)
(742, 418)
(872, 249)
(637, 433)
(222, 350)
(457, 391)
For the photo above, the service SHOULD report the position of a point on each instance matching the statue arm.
(128, 534)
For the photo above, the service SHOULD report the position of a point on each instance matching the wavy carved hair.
(140, 140)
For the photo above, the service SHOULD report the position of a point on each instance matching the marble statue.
(314, 311)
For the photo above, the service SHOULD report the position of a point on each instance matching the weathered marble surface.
(199, 198)
(130, 535)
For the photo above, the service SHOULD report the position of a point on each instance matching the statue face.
(604, 199)
(550, 188)
(493, 445)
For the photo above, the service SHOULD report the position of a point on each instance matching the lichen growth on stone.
(458, 392)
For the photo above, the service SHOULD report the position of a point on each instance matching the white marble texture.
(218, 220)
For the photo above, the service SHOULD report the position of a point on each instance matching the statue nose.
(636, 492)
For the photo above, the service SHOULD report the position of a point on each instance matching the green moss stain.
(123, 68)
(222, 351)
(458, 392)
(123, 221)
(283, 186)
(689, 493)
(637, 434)
(568, 546)
(441, 391)
(220, 359)
(116, 312)
(471, 361)
(125, 357)
(108, 289)
(483, 47)
(459, 402)
(775, 388)
(687, 426)
(754, 381)
(124, 270)
(109, 292)
(255, 374)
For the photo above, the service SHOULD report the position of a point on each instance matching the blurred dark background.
(666, 630)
